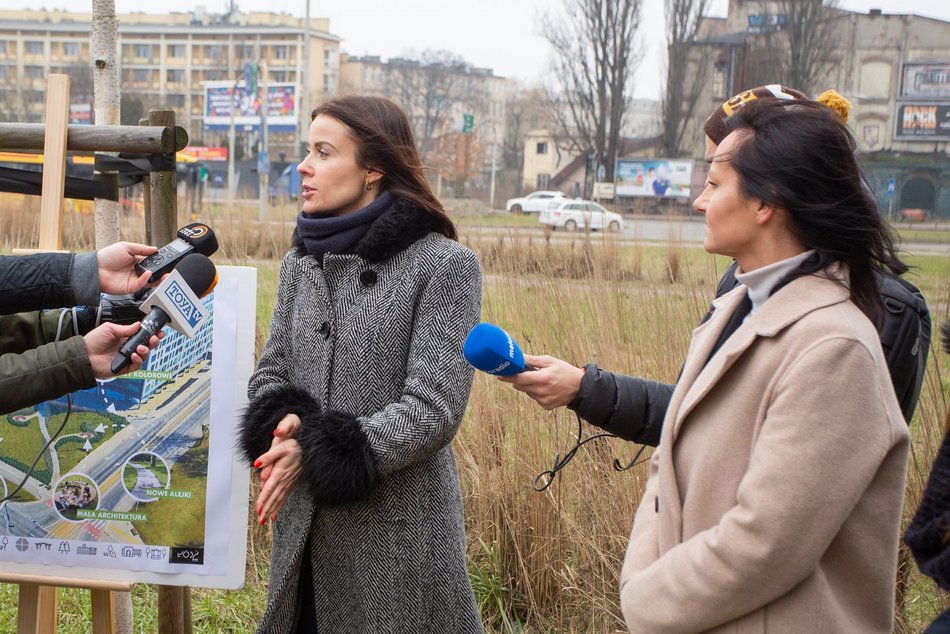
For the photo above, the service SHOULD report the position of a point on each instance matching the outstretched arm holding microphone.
(44, 355)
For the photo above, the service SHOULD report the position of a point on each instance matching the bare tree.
(594, 54)
(428, 89)
(684, 82)
(809, 28)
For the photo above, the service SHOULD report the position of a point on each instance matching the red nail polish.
(277, 432)
(258, 463)
(262, 520)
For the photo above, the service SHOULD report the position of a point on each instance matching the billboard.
(925, 80)
(923, 122)
(221, 98)
(654, 178)
(136, 478)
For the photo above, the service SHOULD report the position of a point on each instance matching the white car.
(575, 215)
(533, 203)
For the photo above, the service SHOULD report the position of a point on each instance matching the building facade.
(894, 69)
(172, 61)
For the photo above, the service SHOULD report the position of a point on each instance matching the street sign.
(468, 122)
(890, 187)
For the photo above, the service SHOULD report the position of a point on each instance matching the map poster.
(139, 482)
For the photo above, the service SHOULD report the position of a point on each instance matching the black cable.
(29, 472)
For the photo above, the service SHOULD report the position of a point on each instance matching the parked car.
(914, 214)
(535, 202)
(575, 215)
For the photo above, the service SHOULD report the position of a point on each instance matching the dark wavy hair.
(384, 142)
(799, 156)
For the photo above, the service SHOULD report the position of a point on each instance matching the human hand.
(117, 262)
(554, 383)
(103, 342)
(280, 468)
(286, 429)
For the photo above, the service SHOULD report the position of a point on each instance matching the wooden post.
(174, 602)
(35, 613)
(164, 190)
(54, 161)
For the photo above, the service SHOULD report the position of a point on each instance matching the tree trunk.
(106, 90)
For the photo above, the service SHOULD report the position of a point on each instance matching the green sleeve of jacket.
(44, 373)
(24, 331)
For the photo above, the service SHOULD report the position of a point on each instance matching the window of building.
(3, 72)
(143, 50)
(176, 50)
(141, 75)
(542, 148)
(329, 58)
(719, 80)
(175, 75)
(245, 51)
(175, 101)
(215, 51)
(34, 48)
(34, 96)
(279, 76)
(281, 52)
(71, 49)
(543, 180)
(3, 47)
(34, 72)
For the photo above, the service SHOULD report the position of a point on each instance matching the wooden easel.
(37, 606)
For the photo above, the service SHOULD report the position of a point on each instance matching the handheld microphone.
(122, 309)
(194, 238)
(490, 349)
(175, 302)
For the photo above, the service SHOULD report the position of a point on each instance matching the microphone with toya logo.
(176, 301)
(194, 238)
(490, 349)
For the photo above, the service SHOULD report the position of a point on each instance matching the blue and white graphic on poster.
(123, 487)
(653, 177)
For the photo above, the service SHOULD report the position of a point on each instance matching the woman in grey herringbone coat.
(360, 390)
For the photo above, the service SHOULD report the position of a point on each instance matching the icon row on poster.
(63, 547)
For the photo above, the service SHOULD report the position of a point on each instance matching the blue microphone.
(490, 349)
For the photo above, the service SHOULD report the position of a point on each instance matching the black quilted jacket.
(32, 368)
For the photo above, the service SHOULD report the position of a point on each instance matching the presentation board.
(142, 483)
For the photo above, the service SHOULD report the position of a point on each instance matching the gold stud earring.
(369, 186)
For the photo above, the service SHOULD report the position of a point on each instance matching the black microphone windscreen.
(200, 237)
(199, 273)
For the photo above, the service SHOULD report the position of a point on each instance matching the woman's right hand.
(554, 383)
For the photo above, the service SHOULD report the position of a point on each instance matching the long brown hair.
(384, 142)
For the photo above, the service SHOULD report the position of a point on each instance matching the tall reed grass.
(549, 561)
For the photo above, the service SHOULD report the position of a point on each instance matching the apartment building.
(459, 113)
(183, 61)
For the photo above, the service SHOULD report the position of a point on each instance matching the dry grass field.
(549, 561)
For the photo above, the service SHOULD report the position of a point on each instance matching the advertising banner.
(922, 122)
(654, 178)
(223, 97)
(925, 80)
(135, 479)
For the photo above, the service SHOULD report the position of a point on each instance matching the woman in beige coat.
(774, 497)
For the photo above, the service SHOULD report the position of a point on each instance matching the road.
(642, 230)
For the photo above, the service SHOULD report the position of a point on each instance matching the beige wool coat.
(774, 498)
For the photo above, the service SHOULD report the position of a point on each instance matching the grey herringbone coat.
(368, 349)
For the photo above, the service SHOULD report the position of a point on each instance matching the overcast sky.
(497, 34)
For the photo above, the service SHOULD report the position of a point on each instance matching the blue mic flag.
(490, 349)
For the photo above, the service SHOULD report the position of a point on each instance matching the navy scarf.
(337, 234)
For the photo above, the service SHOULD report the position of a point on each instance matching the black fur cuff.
(337, 460)
(260, 419)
